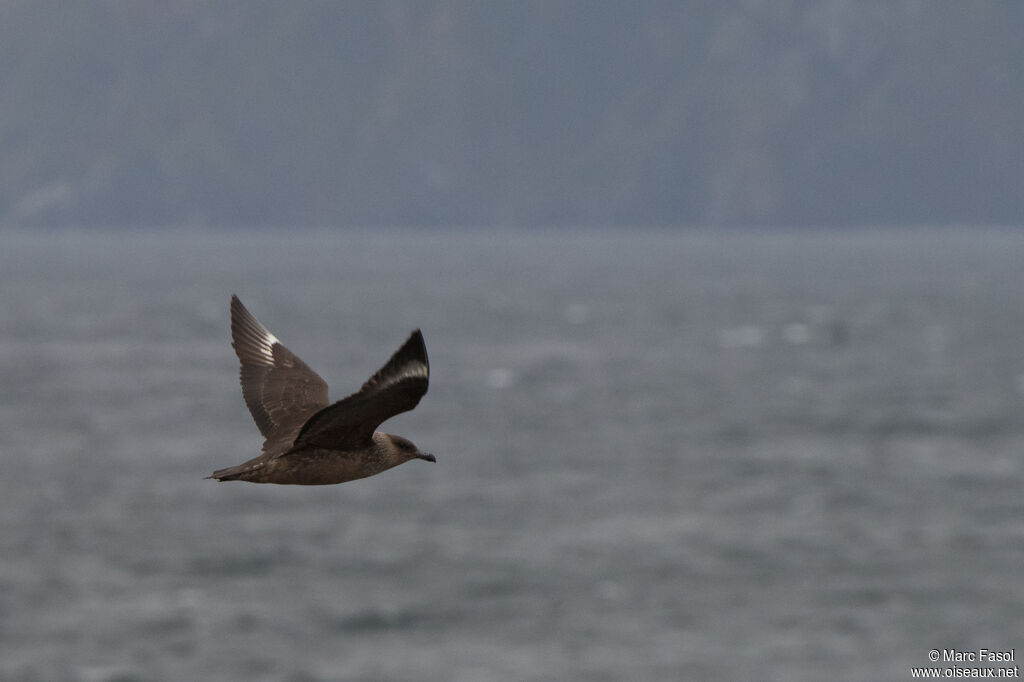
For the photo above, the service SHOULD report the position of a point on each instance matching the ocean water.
(771, 456)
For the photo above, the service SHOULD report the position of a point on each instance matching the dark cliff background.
(455, 112)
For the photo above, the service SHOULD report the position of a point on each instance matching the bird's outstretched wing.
(397, 387)
(280, 390)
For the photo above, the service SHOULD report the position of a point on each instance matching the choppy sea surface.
(661, 456)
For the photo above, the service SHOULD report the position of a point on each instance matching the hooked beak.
(427, 456)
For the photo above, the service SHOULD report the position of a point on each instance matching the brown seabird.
(308, 440)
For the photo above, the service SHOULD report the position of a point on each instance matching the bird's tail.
(229, 474)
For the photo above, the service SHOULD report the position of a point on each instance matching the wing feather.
(280, 390)
(396, 387)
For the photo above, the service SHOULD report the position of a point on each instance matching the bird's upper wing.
(397, 387)
(281, 391)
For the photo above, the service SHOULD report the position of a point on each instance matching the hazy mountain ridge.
(454, 112)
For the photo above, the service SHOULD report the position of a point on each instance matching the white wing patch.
(266, 347)
(412, 370)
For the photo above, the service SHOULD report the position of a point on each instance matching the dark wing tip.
(410, 361)
(240, 315)
(419, 346)
(411, 354)
(253, 343)
(408, 371)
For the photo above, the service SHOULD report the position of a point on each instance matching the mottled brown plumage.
(309, 441)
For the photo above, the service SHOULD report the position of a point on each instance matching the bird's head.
(405, 450)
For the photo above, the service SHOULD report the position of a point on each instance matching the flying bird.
(308, 440)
